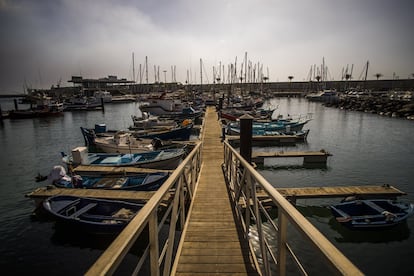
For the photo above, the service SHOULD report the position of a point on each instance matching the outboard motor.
(156, 143)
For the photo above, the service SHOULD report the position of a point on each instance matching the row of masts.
(321, 73)
(247, 72)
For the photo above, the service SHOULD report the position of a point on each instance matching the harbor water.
(366, 149)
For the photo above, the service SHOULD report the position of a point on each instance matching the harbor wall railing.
(278, 239)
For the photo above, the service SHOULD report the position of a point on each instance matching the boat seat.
(376, 216)
(83, 210)
(91, 160)
(374, 206)
(102, 217)
(65, 206)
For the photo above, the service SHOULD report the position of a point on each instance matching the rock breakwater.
(377, 105)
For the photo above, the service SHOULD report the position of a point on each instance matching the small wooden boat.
(92, 215)
(46, 107)
(162, 159)
(150, 121)
(172, 108)
(375, 213)
(261, 128)
(136, 182)
(179, 133)
(125, 142)
(257, 114)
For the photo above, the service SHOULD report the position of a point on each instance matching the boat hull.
(139, 182)
(167, 159)
(91, 215)
(372, 214)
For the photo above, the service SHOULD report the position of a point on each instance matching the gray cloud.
(45, 41)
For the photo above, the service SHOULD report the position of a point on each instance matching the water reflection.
(399, 232)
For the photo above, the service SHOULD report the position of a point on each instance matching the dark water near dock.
(367, 150)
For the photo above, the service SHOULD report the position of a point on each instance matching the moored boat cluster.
(138, 159)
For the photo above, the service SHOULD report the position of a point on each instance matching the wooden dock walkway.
(39, 194)
(309, 156)
(103, 170)
(376, 191)
(212, 244)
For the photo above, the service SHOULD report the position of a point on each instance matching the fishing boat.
(150, 121)
(269, 128)
(323, 96)
(372, 214)
(44, 107)
(162, 159)
(82, 103)
(168, 107)
(92, 215)
(232, 114)
(181, 132)
(150, 181)
(125, 142)
(103, 95)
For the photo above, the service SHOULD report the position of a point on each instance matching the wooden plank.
(48, 191)
(338, 191)
(216, 268)
(85, 169)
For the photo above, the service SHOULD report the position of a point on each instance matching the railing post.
(248, 196)
(173, 223)
(246, 125)
(153, 240)
(281, 242)
(262, 242)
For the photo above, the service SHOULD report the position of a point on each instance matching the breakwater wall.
(377, 105)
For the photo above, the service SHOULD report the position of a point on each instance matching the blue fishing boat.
(137, 182)
(265, 128)
(372, 214)
(162, 159)
(92, 215)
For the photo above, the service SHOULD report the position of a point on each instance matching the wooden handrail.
(333, 257)
(111, 258)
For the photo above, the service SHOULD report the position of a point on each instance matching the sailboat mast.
(146, 68)
(366, 71)
(133, 67)
(201, 75)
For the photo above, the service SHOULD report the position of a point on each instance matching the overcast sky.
(43, 41)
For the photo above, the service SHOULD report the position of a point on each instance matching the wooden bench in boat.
(102, 217)
(374, 206)
(83, 210)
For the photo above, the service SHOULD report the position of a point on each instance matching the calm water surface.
(367, 150)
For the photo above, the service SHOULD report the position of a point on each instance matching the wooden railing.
(273, 246)
(167, 208)
(276, 248)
